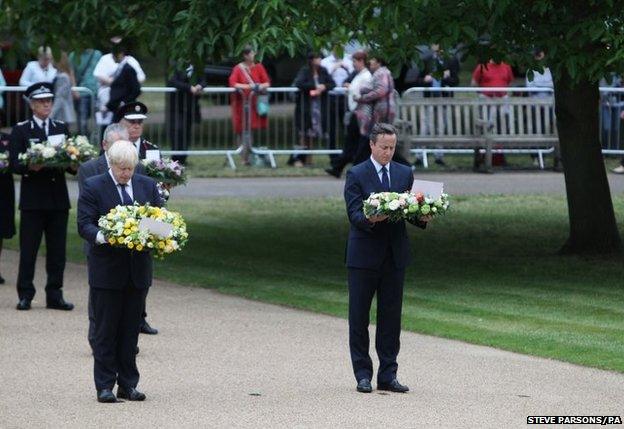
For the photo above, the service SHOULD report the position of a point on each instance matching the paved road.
(221, 361)
(519, 183)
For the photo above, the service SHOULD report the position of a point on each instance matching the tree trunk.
(592, 221)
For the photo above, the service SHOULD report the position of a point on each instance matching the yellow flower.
(111, 240)
(139, 247)
(130, 245)
(120, 240)
(127, 232)
(161, 245)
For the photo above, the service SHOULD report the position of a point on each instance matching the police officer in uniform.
(44, 201)
(131, 116)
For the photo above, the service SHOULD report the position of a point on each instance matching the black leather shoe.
(131, 394)
(23, 304)
(60, 304)
(333, 172)
(147, 329)
(393, 386)
(364, 386)
(106, 396)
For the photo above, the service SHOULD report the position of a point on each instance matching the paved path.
(221, 361)
(523, 183)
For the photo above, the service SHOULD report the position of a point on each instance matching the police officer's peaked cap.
(41, 90)
(132, 111)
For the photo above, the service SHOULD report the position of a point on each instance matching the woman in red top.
(492, 75)
(249, 78)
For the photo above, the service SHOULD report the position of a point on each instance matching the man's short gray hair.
(115, 132)
(381, 128)
(123, 154)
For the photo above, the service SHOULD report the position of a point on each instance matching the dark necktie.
(45, 127)
(385, 180)
(125, 198)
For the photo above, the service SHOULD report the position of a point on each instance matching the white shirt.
(106, 67)
(40, 124)
(33, 73)
(99, 238)
(339, 74)
(378, 168)
(128, 186)
(540, 80)
(137, 145)
(363, 79)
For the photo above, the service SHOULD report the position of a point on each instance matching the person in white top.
(338, 68)
(546, 116)
(39, 71)
(358, 116)
(540, 79)
(107, 68)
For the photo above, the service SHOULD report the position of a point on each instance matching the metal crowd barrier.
(185, 125)
(16, 109)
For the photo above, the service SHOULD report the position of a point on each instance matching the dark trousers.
(180, 129)
(116, 332)
(352, 143)
(337, 109)
(33, 225)
(91, 313)
(387, 282)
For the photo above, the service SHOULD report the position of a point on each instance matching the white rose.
(394, 204)
(48, 152)
(374, 203)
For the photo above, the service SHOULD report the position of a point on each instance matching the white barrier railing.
(209, 131)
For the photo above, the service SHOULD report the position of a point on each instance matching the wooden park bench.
(461, 124)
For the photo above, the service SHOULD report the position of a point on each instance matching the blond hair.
(122, 153)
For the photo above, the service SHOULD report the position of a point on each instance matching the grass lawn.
(488, 273)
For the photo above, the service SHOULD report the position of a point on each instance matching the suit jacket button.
(54, 179)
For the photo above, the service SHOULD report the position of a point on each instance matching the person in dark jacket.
(7, 197)
(438, 71)
(182, 110)
(378, 252)
(125, 87)
(44, 201)
(311, 111)
(119, 278)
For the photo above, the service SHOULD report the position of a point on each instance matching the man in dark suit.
(377, 254)
(118, 278)
(44, 201)
(94, 167)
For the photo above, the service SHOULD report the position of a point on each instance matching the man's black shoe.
(393, 386)
(131, 394)
(364, 386)
(147, 329)
(333, 172)
(106, 396)
(60, 304)
(23, 304)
